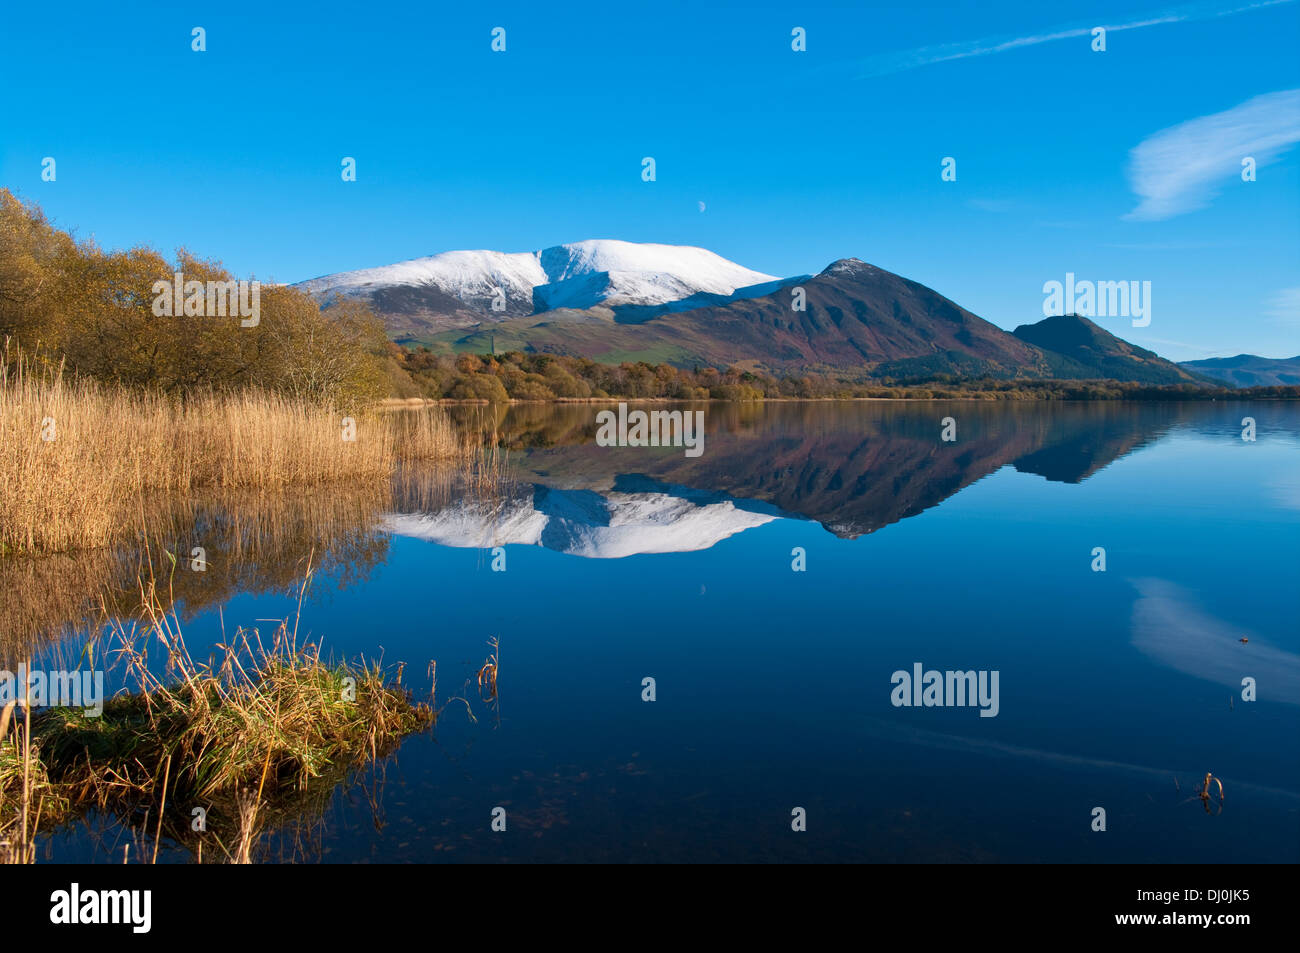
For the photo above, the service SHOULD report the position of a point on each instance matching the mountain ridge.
(462, 287)
(612, 301)
(1249, 370)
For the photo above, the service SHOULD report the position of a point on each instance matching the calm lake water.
(1117, 689)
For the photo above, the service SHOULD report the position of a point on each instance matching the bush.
(94, 311)
(480, 387)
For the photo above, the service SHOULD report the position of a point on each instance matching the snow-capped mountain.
(609, 525)
(461, 285)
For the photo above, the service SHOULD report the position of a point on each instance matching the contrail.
(898, 62)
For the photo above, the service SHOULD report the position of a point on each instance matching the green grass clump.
(292, 721)
(244, 737)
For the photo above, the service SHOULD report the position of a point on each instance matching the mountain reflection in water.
(853, 467)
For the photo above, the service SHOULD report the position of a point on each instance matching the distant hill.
(1077, 349)
(1248, 370)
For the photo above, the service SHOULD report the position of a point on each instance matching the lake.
(771, 587)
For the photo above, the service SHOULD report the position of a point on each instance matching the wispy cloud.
(897, 62)
(1179, 169)
(1284, 306)
(1169, 343)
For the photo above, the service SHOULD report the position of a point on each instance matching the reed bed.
(77, 458)
(254, 542)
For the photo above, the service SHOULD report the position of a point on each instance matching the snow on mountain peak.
(576, 275)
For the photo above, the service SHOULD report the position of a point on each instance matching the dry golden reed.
(77, 458)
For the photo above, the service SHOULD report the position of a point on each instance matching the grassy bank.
(245, 738)
(78, 457)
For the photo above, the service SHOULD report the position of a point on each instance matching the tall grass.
(254, 541)
(76, 458)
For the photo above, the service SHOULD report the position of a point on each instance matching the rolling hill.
(1248, 370)
(1077, 349)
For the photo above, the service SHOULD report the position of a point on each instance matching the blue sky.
(799, 158)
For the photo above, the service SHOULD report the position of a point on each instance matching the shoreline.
(401, 403)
